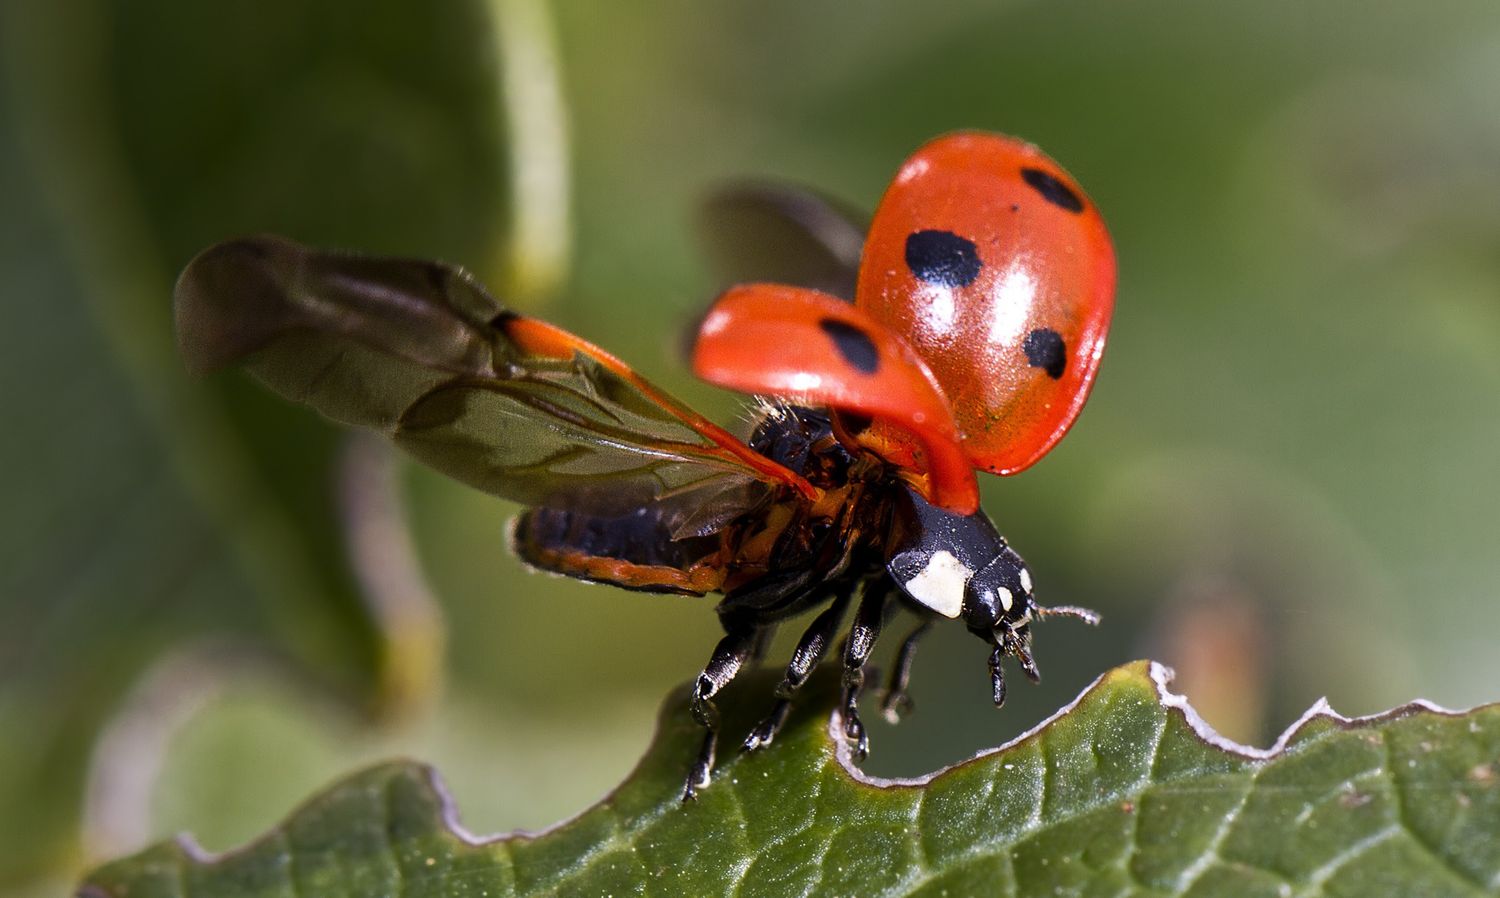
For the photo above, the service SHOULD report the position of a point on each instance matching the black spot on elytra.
(1046, 350)
(942, 258)
(852, 343)
(1052, 190)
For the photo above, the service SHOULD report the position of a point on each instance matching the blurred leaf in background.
(1290, 451)
(148, 512)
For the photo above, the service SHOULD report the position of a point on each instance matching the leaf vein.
(1403, 818)
(1127, 862)
(1321, 875)
(182, 878)
(1194, 871)
(1045, 794)
(290, 851)
(746, 852)
(820, 874)
(804, 829)
(387, 796)
(600, 849)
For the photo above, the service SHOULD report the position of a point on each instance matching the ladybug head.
(958, 566)
(999, 591)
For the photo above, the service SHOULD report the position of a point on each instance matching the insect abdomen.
(633, 551)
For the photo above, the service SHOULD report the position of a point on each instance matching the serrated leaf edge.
(1160, 676)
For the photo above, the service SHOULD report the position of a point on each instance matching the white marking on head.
(940, 585)
(1007, 598)
(1025, 580)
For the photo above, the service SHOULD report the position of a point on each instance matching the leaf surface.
(1125, 792)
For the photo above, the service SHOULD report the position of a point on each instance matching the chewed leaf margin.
(1125, 790)
(1320, 713)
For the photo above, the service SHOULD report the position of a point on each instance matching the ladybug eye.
(1052, 190)
(1046, 350)
(942, 258)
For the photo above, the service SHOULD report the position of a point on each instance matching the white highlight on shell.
(940, 585)
(940, 309)
(716, 321)
(1015, 291)
(803, 381)
(912, 170)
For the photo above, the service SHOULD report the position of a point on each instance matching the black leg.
(810, 650)
(897, 701)
(862, 636)
(765, 731)
(997, 674)
(1018, 643)
(728, 657)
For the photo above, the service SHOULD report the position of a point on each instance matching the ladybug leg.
(1007, 640)
(897, 701)
(862, 636)
(810, 650)
(728, 657)
(765, 731)
(1018, 643)
(997, 674)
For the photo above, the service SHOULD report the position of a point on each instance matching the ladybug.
(977, 319)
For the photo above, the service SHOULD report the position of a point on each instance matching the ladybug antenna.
(1087, 615)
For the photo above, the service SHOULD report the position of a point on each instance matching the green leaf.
(1126, 792)
(145, 512)
(142, 166)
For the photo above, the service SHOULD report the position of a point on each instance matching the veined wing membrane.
(780, 233)
(421, 352)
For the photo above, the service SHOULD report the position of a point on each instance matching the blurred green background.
(1286, 484)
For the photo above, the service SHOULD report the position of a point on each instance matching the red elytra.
(814, 349)
(990, 272)
(991, 262)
